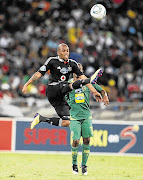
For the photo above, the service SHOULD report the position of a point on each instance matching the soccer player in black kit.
(61, 67)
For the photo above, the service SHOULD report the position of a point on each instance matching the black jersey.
(60, 71)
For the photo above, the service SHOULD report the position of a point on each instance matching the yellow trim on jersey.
(86, 151)
(72, 118)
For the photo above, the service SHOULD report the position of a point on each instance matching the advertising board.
(107, 137)
(5, 134)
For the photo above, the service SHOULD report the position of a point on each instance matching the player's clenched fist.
(97, 96)
(105, 100)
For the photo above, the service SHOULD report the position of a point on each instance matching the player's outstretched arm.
(34, 78)
(92, 89)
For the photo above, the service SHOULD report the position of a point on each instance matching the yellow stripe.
(74, 153)
(72, 118)
(86, 151)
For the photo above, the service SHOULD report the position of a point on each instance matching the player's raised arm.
(34, 78)
(95, 93)
(92, 89)
(105, 98)
(89, 85)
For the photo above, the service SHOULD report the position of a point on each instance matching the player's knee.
(86, 141)
(75, 143)
(65, 123)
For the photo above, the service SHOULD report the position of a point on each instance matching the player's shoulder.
(85, 88)
(51, 59)
(73, 61)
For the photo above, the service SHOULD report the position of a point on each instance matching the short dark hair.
(61, 45)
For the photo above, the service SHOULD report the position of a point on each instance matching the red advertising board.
(5, 134)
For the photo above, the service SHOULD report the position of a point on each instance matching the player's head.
(81, 69)
(63, 51)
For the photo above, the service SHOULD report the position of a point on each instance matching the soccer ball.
(98, 11)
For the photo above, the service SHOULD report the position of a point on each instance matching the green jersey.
(78, 100)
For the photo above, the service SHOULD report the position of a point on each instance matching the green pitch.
(58, 167)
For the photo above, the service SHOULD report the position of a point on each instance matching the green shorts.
(80, 128)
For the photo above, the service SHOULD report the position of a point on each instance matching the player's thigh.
(52, 91)
(57, 90)
(64, 88)
(87, 129)
(56, 98)
(75, 129)
(61, 108)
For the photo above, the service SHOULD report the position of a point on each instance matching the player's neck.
(65, 62)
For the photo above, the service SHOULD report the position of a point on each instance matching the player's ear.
(58, 52)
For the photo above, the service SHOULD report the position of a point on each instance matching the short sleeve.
(43, 69)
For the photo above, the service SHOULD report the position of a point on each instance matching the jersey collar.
(61, 60)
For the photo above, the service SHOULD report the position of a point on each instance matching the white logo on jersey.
(63, 78)
(64, 70)
(78, 91)
(70, 68)
(43, 68)
(58, 67)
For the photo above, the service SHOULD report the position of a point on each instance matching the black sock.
(56, 121)
(80, 83)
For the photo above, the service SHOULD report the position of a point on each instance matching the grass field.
(58, 167)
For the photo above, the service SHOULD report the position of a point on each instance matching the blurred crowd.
(31, 30)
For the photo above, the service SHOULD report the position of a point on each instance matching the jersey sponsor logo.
(79, 98)
(64, 70)
(63, 78)
(43, 68)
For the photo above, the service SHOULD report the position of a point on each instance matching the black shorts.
(56, 95)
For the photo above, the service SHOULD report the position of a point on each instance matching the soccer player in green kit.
(81, 121)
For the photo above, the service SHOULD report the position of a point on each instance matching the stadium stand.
(31, 30)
